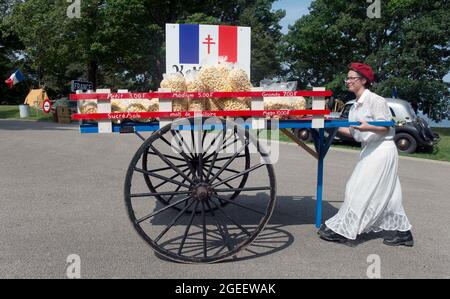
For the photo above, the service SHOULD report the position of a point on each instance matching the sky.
(294, 10)
(297, 8)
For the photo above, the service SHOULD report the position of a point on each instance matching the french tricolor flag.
(15, 78)
(193, 44)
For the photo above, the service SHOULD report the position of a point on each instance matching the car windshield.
(411, 111)
(346, 110)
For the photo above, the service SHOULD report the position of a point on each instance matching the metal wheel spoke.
(216, 153)
(173, 222)
(230, 143)
(205, 250)
(224, 141)
(161, 210)
(204, 136)
(174, 176)
(219, 227)
(226, 158)
(239, 205)
(178, 137)
(158, 194)
(211, 166)
(165, 141)
(178, 188)
(172, 165)
(166, 168)
(140, 136)
(194, 147)
(238, 175)
(200, 168)
(226, 184)
(227, 169)
(212, 142)
(231, 219)
(170, 145)
(242, 189)
(231, 160)
(182, 153)
(160, 177)
(167, 156)
(186, 232)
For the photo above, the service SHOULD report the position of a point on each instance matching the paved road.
(61, 194)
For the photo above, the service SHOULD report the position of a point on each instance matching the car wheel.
(303, 134)
(428, 149)
(405, 143)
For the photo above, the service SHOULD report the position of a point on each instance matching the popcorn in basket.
(213, 80)
(283, 103)
(237, 81)
(176, 83)
(194, 84)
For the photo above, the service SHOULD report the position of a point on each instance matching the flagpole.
(28, 85)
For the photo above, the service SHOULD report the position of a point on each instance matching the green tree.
(111, 36)
(408, 47)
(9, 47)
(266, 39)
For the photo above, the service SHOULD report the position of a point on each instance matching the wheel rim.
(215, 217)
(304, 135)
(403, 144)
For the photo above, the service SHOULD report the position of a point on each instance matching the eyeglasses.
(351, 79)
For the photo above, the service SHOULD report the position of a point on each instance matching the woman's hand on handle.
(363, 127)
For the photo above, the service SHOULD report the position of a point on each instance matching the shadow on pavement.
(270, 241)
(289, 210)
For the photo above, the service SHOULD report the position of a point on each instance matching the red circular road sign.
(47, 106)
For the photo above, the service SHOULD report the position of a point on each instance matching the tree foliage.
(10, 45)
(408, 47)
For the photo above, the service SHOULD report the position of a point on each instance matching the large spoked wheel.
(207, 201)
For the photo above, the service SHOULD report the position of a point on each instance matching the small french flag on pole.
(15, 78)
(192, 45)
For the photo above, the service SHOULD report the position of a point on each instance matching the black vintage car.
(411, 132)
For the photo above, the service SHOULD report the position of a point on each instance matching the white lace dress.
(373, 195)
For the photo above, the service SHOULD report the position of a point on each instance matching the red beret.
(364, 70)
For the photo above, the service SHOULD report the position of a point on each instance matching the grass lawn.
(441, 152)
(12, 112)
